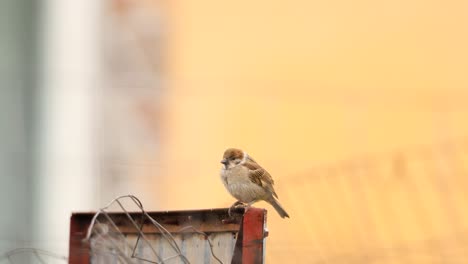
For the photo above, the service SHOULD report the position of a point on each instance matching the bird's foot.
(247, 207)
(236, 206)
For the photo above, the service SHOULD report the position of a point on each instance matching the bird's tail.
(278, 207)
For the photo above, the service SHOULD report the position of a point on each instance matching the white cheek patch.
(244, 159)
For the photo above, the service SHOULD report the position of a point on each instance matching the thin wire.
(166, 234)
(116, 247)
(93, 231)
(206, 237)
(37, 253)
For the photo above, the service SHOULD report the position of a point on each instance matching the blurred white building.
(75, 88)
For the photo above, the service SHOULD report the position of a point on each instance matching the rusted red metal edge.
(250, 245)
(78, 252)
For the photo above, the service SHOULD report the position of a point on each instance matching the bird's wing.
(260, 176)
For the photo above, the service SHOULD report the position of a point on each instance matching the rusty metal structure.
(198, 236)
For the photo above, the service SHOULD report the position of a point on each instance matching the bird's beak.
(224, 161)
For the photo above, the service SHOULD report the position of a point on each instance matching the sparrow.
(247, 181)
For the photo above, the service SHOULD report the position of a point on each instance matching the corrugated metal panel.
(194, 247)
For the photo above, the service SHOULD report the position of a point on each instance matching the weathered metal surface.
(193, 246)
(250, 244)
(193, 231)
(253, 240)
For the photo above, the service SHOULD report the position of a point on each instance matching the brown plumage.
(247, 181)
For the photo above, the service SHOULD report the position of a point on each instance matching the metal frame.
(250, 228)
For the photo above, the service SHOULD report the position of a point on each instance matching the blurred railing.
(405, 207)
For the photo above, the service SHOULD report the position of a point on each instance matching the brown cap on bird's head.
(232, 153)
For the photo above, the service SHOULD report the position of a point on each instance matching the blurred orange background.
(306, 84)
(357, 109)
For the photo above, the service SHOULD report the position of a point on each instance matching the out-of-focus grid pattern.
(405, 207)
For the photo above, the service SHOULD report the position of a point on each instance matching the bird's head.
(232, 157)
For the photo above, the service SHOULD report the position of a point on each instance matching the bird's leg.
(240, 205)
(248, 205)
